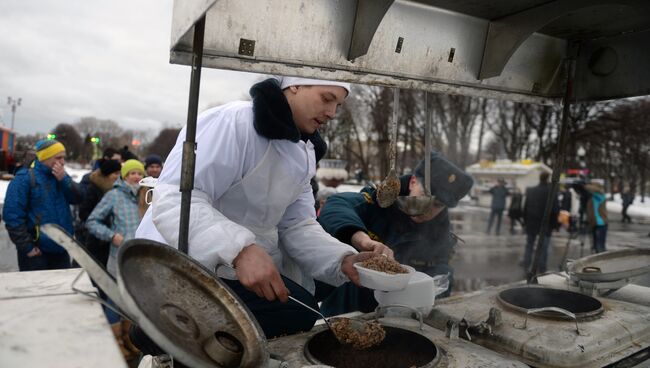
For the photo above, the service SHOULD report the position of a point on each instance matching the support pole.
(558, 164)
(189, 146)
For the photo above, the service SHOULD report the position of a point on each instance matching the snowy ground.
(638, 210)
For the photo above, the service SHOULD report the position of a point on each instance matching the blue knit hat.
(152, 159)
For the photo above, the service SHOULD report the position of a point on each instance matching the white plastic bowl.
(383, 281)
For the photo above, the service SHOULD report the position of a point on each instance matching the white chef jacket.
(247, 189)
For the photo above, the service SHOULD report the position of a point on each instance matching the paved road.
(490, 260)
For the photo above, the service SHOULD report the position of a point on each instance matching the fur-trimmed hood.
(104, 183)
(272, 117)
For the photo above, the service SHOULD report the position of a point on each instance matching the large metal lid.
(186, 310)
(611, 266)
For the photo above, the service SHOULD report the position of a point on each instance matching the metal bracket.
(368, 16)
(246, 47)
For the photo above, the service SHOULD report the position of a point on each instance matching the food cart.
(536, 51)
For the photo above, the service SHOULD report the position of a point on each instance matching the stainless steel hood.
(510, 49)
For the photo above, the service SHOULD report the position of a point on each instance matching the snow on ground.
(637, 209)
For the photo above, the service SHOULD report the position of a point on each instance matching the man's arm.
(213, 238)
(15, 213)
(343, 217)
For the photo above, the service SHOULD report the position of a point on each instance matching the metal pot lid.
(548, 302)
(611, 266)
(186, 310)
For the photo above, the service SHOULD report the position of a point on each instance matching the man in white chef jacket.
(252, 204)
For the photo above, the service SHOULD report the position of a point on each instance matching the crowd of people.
(102, 211)
(579, 205)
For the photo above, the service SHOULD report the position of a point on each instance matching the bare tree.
(164, 142)
(68, 135)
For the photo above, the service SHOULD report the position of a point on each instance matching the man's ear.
(412, 182)
(293, 89)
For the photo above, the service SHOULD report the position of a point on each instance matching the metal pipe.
(558, 164)
(189, 146)
(427, 145)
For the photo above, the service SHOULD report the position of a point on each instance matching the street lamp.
(13, 103)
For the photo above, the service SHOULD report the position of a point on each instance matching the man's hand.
(347, 265)
(362, 242)
(58, 171)
(35, 252)
(117, 239)
(257, 272)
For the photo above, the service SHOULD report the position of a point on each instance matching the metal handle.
(427, 146)
(384, 308)
(550, 309)
(94, 297)
(393, 136)
(311, 309)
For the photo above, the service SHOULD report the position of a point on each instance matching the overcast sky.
(108, 59)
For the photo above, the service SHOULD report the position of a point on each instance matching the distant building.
(8, 141)
(523, 174)
(332, 173)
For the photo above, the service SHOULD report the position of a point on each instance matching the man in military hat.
(423, 241)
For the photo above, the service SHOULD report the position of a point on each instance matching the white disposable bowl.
(383, 281)
(418, 294)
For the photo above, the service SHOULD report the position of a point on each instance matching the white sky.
(108, 59)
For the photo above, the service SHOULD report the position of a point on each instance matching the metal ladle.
(419, 205)
(388, 189)
(356, 325)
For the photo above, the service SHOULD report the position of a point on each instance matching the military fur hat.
(449, 183)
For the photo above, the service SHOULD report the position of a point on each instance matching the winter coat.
(515, 211)
(232, 141)
(499, 194)
(96, 187)
(627, 198)
(534, 206)
(31, 203)
(597, 210)
(122, 204)
(423, 246)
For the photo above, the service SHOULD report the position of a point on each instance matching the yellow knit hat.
(48, 148)
(132, 164)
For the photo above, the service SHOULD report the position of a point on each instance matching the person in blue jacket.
(424, 242)
(41, 194)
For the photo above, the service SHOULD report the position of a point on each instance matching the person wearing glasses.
(423, 241)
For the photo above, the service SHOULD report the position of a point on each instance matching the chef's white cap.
(286, 82)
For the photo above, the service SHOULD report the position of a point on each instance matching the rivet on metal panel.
(246, 47)
(400, 41)
(451, 55)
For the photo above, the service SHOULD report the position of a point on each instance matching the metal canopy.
(510, 49)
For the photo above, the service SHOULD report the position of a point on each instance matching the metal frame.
(423, 44)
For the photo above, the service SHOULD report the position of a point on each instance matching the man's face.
(154, 170)
(314, 106)
(416, 189)
(58, 158)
